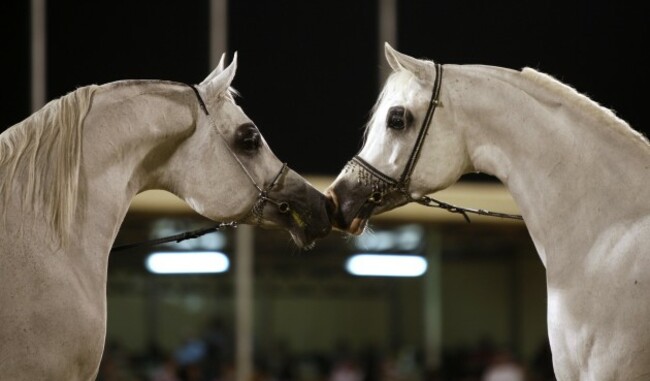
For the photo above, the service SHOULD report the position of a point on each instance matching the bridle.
(382, 185)
(263, 193)
(257, 211)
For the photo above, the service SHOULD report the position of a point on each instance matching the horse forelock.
(42, 155)
(231, 94)
(583, 103)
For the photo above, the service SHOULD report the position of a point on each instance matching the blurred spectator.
(192, 372)
(481, 357)
(189, 357)
(115, 364)
(191, 352)
(218, 349)
(208, 356)
(346, 369)
(278, 362)
(401, 366)
(167, 371)
(370, 360)
(504, 367)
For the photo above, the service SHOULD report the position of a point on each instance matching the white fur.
(580, 176)
(68, 175)
(26, 147)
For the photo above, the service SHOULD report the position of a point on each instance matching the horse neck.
(129, 132)
(563, 164)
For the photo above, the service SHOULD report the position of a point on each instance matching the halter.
(381, 184)
(263, 196)
(256, 211)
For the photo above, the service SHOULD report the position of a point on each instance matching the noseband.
(263, 196)
(381, 184)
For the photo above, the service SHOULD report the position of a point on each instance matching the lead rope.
(433, 203)
(177, 237)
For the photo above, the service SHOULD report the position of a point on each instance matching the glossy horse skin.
(579, 174)
(69, 173)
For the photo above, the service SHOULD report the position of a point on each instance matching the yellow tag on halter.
(296, 218)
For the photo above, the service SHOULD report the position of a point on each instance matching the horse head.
(225, 169)
(402, 132)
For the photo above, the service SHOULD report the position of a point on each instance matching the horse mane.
(582, 102)
(46, 148)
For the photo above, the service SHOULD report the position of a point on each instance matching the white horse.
(69, 172)
(580, 176)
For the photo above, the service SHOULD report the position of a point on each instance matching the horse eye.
(398, 118)
(248, 138)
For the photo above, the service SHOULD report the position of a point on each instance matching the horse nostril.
(376, 197)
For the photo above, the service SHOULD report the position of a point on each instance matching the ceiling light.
(386, 265)
(197, 262)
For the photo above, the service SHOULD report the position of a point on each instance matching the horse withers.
(69, 172)
(579, 174)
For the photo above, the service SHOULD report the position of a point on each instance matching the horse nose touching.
(320, 230)
(334, 209)
(331, 204)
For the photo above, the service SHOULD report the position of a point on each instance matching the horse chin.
(300, 239)
(299, 236)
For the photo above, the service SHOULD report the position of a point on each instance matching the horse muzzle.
(354, 203)
(299, 208)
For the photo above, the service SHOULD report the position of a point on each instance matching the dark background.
(308, 69)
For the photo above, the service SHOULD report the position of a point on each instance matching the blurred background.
(309, 73)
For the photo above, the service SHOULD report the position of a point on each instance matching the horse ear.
(220, 82)
(400, 61)
(216, 71)
(390, 57)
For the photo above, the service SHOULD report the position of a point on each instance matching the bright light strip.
(386, 265)
(190, 262)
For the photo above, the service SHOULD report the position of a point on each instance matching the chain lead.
(433, 203)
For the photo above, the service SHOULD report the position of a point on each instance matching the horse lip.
(357, 226)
